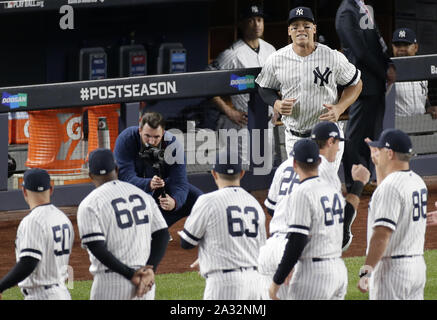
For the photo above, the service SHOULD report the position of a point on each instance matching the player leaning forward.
(306, 74)
(315, 234)
(396, 225)
(124, 232)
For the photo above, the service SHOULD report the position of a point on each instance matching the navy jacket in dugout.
(134, 170)
(362, 47)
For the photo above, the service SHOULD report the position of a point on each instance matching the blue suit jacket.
(134, 170)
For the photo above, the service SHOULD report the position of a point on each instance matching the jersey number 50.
(124, 216)
(61, 236)
(236, 225)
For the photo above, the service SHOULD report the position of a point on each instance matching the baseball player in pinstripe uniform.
(394, 266)
(124, 232)
(315, 233)
(43, 244)
(229, 227)
(306, 74)
(411, 96)
(249, 51)
(327, 136)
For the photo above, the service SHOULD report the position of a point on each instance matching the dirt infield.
(177, 259)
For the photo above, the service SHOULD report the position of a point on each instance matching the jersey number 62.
(124, 216)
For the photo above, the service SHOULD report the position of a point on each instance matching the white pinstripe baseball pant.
(270, 256)
(113, 286)
(398, 279)
(53, 292)
(235, 285)
(320, 280)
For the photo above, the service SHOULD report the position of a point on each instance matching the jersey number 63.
(236, 225)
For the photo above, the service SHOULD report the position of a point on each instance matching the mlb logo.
(254, 9)
(402, 34)
(299, 12)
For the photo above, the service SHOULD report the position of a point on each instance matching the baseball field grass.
(190, 285)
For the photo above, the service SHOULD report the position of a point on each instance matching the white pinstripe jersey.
(312, 80)
(316, 209)
(123, 216)
(229, 226)
(400, 203)
(411, 98)
(238, 56)
(285, 181)
(45, 234)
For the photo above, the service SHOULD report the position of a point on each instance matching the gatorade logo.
(14, 101)
(102, 124)
(26, 129)
(74, 131)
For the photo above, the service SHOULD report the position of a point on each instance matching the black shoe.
(347, 234)
(347, 240)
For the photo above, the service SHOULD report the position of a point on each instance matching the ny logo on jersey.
(299, 12)
(402, 34)
(324, 78)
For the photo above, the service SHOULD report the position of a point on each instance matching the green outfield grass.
(190, 285)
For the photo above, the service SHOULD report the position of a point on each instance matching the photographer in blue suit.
(139, 153)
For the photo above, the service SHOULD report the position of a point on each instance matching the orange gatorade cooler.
(56, 140)
(103, 126)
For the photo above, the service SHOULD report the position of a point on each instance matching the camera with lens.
(152, 155)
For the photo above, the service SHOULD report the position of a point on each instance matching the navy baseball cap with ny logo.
(252, 11)
(36, 179)
(395, 140)
(404, 35)
(325, 130)
(227, 162)
(306, 150)
(300, 13)
(101, 161)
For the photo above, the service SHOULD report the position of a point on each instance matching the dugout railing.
(129, 92)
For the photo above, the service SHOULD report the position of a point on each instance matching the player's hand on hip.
(360, 173)
(332, 113)
(284, 107)
(167, 203)
(273, 291)
(156, 183)
(237, 117)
